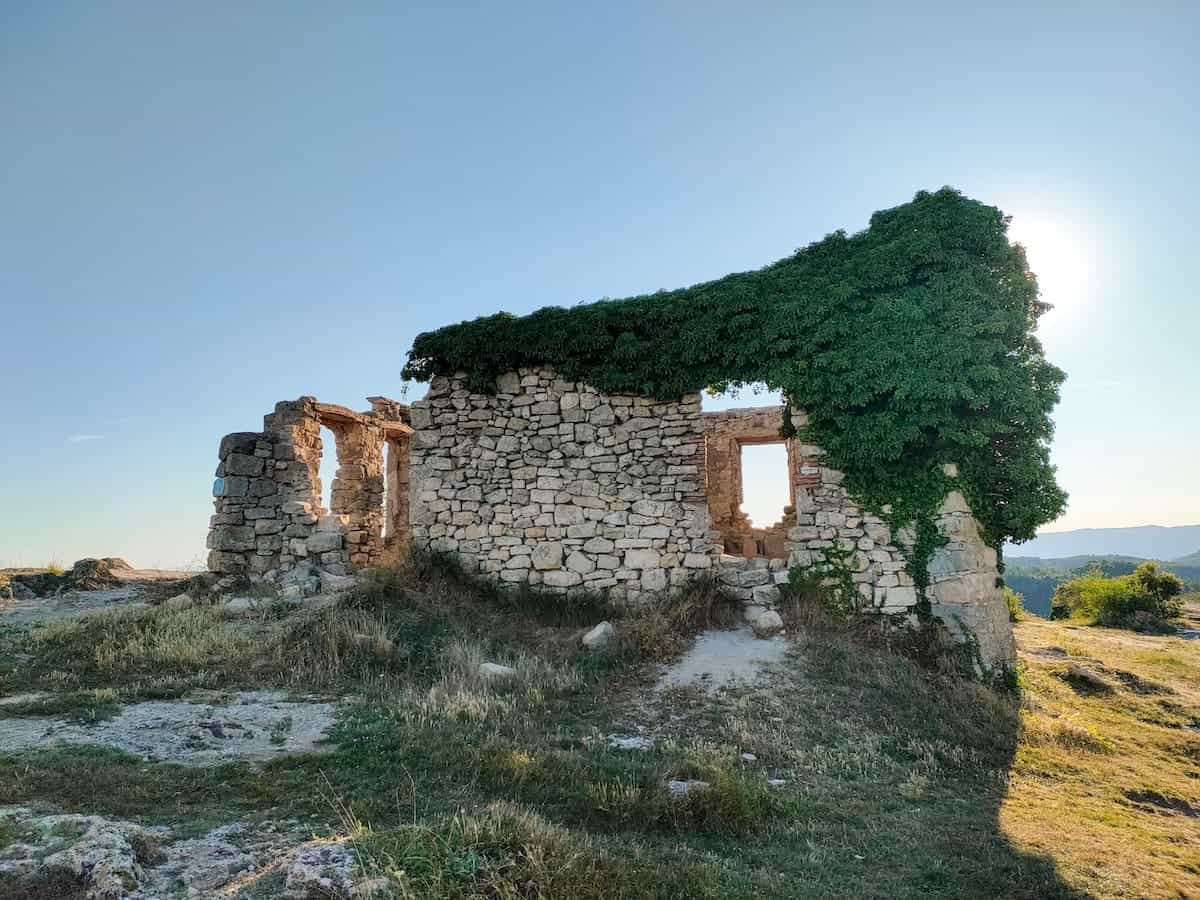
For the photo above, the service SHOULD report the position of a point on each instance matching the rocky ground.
(416, 736)
(31, 596)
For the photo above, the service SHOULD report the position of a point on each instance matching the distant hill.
(1144, 541)
(1192, 559)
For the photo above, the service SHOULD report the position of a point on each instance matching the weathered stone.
(581, 563)
(324, 541)
(547, 556)
(561, 579)
(599, 637)
(767, 624)
(642, 559)
(241, 464)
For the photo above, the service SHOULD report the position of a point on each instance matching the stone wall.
(268, 515)
(552, 483)
(549, 482)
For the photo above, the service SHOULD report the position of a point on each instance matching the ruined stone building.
(553, 484)
(269, 516)
(911, 343)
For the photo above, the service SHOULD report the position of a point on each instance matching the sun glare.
(1058, 257)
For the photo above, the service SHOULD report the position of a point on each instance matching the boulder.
(491, 671)
(767, 624)
(599, 637)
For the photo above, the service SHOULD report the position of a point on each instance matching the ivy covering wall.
(908, 345)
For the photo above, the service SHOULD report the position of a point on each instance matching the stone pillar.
(396, 533)
(357, 495)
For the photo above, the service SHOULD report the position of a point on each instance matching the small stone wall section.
(268, 515)
(551, 483)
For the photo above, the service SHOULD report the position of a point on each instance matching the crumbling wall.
(268, 514)
(549, 482)
(964, 579)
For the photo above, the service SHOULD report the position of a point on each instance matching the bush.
(1016, 604)
(1144, 601)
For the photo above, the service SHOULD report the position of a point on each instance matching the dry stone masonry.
(549, 482)
(269, 519)
(553, 484)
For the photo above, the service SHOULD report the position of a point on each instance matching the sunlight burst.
(1057, 255)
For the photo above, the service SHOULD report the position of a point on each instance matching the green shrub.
(1145, 600)
(1016, 604)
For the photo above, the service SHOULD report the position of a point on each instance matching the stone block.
(654, 580)
(233, 538)
(642, 559)
(597, 545)
(561, 579)
(324, 541)
(581, 563)
(242, 442)
(547, 556)
(243, 464)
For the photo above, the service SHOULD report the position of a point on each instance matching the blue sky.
(210, 207)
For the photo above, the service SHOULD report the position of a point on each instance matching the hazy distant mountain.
(1192, 559)
(1147, 541)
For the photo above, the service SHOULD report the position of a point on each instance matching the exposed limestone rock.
(683, 787)
(599, 637)
(491, 670)
(767, 625)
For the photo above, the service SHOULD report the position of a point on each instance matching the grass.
(896, 780)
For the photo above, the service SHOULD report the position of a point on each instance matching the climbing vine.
(907, 346)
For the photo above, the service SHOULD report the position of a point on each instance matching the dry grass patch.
(1090, 766)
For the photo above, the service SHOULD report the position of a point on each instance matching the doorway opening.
(327, 471)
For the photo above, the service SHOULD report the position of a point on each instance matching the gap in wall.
(751, 395)
(765, 490)
(328, 469)
(386, 528)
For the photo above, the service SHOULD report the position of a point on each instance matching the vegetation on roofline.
(908, 345)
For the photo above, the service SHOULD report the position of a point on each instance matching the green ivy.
(908, 345)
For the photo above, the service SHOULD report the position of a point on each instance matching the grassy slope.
(897, 785)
